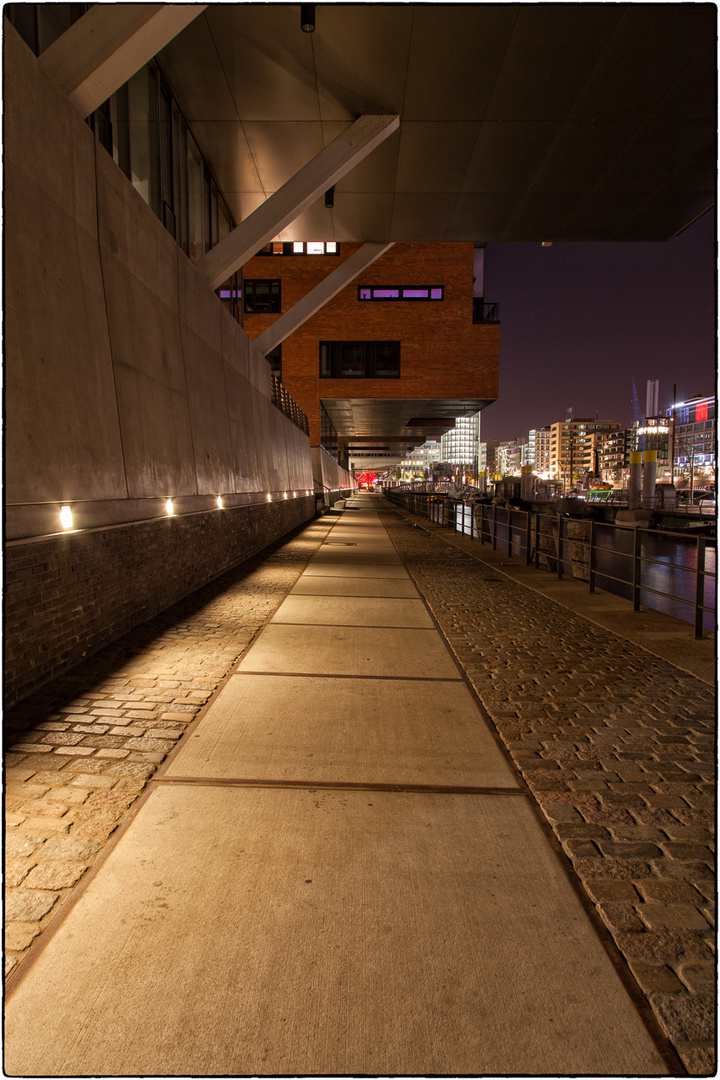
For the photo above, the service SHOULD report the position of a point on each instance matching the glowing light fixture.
(284, 494)
(220, 502)
(169, 508)
(66, 518)
(269, 497)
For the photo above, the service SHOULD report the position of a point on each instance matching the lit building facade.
(694, 439)
(460, 445)
(539, 450)
(574, 448)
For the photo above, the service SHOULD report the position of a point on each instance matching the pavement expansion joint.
(339, 785)
(344, 675)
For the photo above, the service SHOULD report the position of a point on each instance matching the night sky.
(579, 321)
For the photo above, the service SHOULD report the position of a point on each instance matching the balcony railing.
(282, 401)
(485, 313)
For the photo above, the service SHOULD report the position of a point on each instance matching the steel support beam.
(319, 296)
(104, 48)
(289, 201)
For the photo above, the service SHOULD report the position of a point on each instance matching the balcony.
(485, 313)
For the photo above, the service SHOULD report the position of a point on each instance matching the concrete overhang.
(519, 122)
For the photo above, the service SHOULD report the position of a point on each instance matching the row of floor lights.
(66, 516)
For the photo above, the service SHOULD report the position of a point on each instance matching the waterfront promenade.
(420, 818)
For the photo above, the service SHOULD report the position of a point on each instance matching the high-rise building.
(574, 448)
(460, 445)
(539, 450)
(694, 439)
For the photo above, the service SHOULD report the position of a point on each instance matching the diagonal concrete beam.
(289, 201)
(319, 296)
(105, 48)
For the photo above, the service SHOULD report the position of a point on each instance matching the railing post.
(494, 528)
(509, 528)
(636, 570)
(592, 556)
(528, 537)
(700, 586)
(559, 549)
(537, 541)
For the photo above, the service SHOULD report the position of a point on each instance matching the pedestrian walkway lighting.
(66, 518)
(284, 494)
(169, 508)
(220, 502)
(269, 497)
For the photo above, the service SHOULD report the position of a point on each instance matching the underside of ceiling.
(519, 122)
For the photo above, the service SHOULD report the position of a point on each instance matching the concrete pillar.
(635, 481)
(526, 482)
(648, 481)
(482, 482)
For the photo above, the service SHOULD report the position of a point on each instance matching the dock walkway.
(346, 865)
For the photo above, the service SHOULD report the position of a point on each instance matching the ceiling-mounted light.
(307, 18)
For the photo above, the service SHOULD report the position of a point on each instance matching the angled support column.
(319, 296)
(289, 201)
(105, 48)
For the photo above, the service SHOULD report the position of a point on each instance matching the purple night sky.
(579, 321)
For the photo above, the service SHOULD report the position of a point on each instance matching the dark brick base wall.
(68, 595)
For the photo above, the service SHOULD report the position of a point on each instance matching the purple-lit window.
(385, 293)
(230, 294)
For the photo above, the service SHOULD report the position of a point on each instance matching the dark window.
(386, 292)
(261, 295)
(359, 359)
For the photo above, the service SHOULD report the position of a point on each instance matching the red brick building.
(392, 358)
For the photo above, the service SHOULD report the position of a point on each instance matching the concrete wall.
(331, 481)
(126, 381)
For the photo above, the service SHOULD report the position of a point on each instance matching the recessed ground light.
(269, 497)
(220, 502)
(169, 508)
(66, 518)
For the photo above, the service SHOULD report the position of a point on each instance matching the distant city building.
(422, 459)
(539, 450)
(575, 448)
(694, 438)
(460, 445)
(511, 456)
(488, 457)
(652, 433)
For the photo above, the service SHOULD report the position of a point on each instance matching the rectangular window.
(376, 292)
(299, 247)
(359, 359)
(262, 296)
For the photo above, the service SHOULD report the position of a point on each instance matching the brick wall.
(67, 595)
(443, 354)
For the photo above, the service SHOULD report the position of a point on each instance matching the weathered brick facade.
(67, 595)
(443, 354)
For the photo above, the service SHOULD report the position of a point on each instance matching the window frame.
(332, 358)
(401, 290)
(248, 290)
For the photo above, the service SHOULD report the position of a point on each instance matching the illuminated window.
(374, 292)
(300, 247)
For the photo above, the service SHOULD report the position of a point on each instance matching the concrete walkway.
(337, 871)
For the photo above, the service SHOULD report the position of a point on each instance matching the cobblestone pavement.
(618, 748)
(79, 752)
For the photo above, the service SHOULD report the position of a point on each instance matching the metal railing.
(574, 547)
(282, 401)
